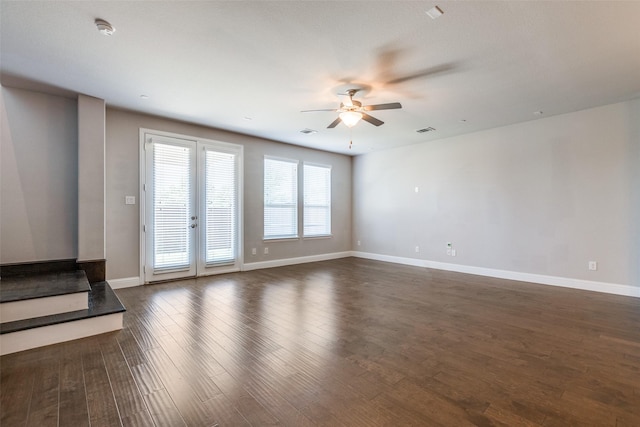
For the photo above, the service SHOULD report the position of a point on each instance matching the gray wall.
(542, 197)
(38, 178)
(122, 159)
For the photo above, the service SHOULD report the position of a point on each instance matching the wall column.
(91, 186)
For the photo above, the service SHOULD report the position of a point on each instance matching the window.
(280, 198)
(317, 200)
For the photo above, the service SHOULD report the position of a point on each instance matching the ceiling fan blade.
(422, 73)
(313, 111)
(389, 106)
(335, 123)
(372, 120)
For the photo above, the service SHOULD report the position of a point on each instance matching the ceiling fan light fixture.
(350, 118)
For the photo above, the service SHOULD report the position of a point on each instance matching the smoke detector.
(435, 12)
(104, 27)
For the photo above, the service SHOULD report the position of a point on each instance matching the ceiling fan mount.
(351, 111)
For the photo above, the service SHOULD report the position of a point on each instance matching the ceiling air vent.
(308, 131)
(429, 129)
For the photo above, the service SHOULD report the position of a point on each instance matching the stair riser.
(53, 334)
(38, 307)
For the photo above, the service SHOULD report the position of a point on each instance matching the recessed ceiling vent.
(429, 129)
(308, 131)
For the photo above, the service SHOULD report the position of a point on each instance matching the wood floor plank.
(255, 413)
(73, 409)
(103, 410)
(131, 405)
(504, 417)
(163, 410)
(191, 408)
(195, 372)
(147, 380)
(43, 410)
(278, 405)
(16, 383)
(130, 348)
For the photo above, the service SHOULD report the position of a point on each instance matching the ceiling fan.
(352, 111)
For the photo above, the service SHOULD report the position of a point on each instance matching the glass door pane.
(171, 207)
(220, 207)
(170, 221)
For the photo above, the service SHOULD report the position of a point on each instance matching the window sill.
(323, 236)
(280, 239)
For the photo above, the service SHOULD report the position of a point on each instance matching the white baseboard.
(587, 285)
(389, 258)
(127, 282)
(38, 337)
(292, 261)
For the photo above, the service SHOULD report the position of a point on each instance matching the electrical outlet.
(449, 251)
(129, 200)
(253, 251)
(417, 189)
(593, 265)
(358, 242)
(266, 251)
(417, 248)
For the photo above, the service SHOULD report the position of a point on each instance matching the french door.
(191, 220)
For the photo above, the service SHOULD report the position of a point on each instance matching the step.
(104, 314)
(28, 296)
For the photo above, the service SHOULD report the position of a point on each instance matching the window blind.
(220, 207)
(172, 206)
(317, 200)
(280, 198)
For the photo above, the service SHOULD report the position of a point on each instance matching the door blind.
(171, 206)
(221, 202)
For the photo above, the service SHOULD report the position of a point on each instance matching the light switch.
(130, 200)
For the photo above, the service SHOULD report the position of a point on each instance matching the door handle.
(194, 225)
(193, 218)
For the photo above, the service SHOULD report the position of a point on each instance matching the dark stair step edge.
(102, 301)
(38, 267)
(31, 286)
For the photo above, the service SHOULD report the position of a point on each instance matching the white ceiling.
(216, 62)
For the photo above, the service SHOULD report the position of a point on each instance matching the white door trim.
(236, 148)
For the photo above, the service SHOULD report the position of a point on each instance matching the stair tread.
(102, 301)
(25, 287)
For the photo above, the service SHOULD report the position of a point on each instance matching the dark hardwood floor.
(347, 342)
